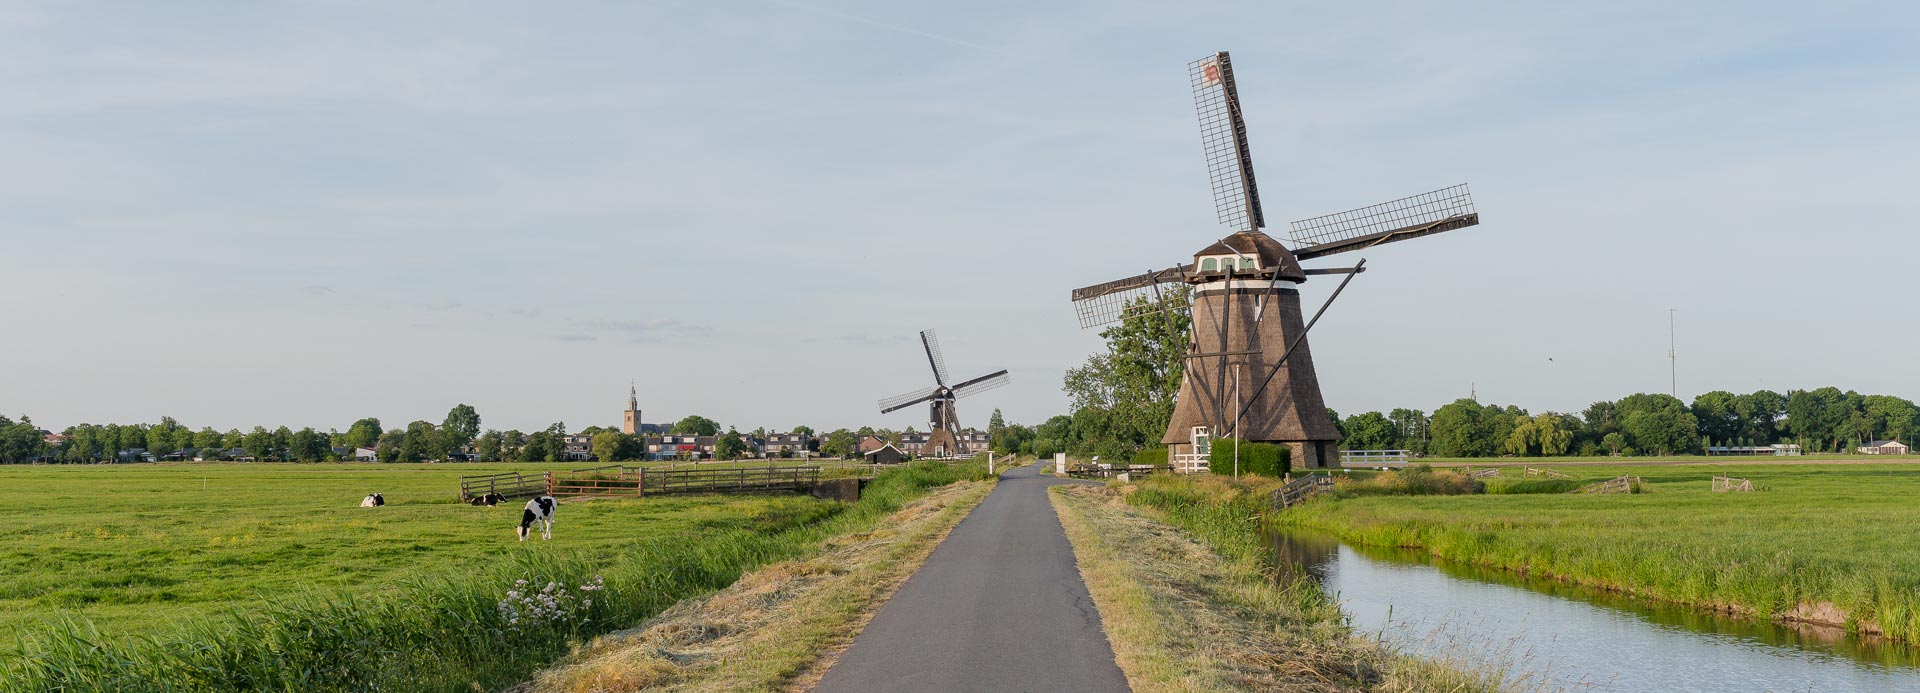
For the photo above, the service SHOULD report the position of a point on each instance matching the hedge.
(1264, 459)
(1151, 456)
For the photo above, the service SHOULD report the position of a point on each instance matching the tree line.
(1121, 401)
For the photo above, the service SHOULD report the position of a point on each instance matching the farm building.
(886, 454)
(1885, 447)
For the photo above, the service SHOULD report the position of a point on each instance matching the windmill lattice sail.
(1425, 214)
(1223, 137)
(1113, 301)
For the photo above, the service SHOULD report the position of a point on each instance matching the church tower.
(630, 423)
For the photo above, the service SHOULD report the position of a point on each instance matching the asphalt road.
(999, 606)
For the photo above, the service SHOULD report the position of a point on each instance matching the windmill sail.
(898, 402)
(934, 358)
(981, 384)
(1223, 136)
(1425, 214)
(1113, 301)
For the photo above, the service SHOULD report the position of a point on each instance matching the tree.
(840, 443)
(606, 446)
(258, 443)
(805, 432)
(1123, 399)
(1760, 414)
(696, 425)
(1459, 430)
(160, 437)
(182, 438)
(307, 446)
(1412, 425)
(20, 441)
(729, 446)
(1370, 431)
(209, 443)
(422, 442)
(1659, 424)
(488, 446)
(1718, 413)
(1539, 435)
(1891, 417)
(461, 427)
(364, 433)
(387, 447)
(1614, 442)
(234, 439)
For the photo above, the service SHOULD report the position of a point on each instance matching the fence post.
(640, 485)
(549, 483)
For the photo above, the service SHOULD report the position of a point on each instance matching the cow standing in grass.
(538, 510)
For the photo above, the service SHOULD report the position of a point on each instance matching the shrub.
(1151, 456)
(1264, 459)
(1515, 486)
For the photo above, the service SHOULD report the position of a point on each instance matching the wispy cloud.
(317, 290)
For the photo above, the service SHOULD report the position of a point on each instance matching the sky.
(304, 213)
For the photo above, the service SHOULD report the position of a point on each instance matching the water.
(1556, 636)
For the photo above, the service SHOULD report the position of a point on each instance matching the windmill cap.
(1265, 248)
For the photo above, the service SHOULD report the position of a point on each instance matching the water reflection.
(1564, 636)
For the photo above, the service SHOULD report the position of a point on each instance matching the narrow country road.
(999, 606)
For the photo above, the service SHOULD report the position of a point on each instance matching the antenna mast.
(1673, 366)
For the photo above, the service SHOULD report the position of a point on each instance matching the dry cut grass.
(1181, 617)
(777, 628)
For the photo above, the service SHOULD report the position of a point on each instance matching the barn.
(886, 454)
(1885, 447)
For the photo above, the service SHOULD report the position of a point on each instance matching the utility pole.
(1673, 364)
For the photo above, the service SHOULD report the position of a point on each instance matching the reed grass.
(437, 630)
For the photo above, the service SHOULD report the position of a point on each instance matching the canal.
(1555, 636)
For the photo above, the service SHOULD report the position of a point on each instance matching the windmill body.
(943, 419)
(1249, 372)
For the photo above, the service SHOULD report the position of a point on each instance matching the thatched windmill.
(1248, 371)
(942, 419)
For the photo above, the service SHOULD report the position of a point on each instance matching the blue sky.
(305, 213)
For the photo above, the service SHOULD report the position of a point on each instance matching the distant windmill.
(1248, 372)
(942, 419)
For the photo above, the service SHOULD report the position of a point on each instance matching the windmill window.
(1209, 265)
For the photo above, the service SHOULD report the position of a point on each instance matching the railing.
(1546, 473)
(743, 479)
(1105, 471)
(1374, 458)
(509, 484)
(1190, 463)
(1727, 484)
(1487, 473)
(611, 480)
(1300, 489)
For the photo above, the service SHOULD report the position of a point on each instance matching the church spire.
(633, 397)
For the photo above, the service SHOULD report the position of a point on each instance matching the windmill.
(942, 419)
(1248, 372)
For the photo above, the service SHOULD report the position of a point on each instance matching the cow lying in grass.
(538, 510)
(373, 501)
(490, 499)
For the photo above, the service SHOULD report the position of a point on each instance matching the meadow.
(223, 576)
(1820, 542)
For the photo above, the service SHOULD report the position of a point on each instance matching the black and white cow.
(538, 510)
(373, 501)
(489, 499)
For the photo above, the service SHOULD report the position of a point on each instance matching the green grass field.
(270, 577)
(135, 547)
(1844, 534)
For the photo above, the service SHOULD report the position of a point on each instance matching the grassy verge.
(776, 627)
(440, 630)
(1821, 543)
(1191, 601)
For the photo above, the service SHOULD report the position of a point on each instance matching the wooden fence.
(1546, 473)
(1299, 489)
(1107, 471)
(740, 480)
(1619, 484)
(509, 484)
(1487, 473)
(1727, 484)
